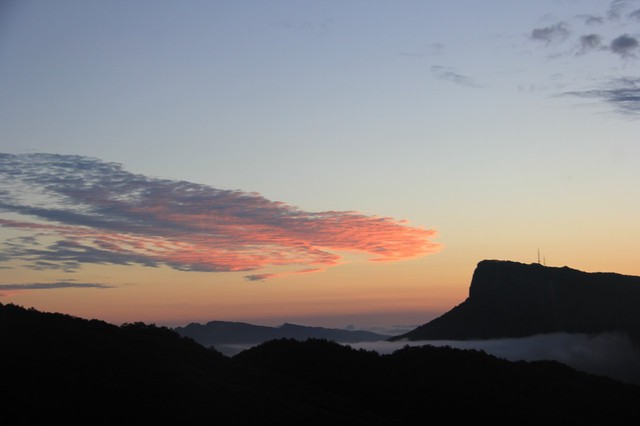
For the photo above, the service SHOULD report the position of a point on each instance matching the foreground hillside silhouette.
(58, 368)
(510, 299)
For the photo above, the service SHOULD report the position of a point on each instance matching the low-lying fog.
(608, 354)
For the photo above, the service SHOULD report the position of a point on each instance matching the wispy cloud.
(616, 8)
(624, 45)
(591, 19)
(619, 9)
(446, 73)
(589, 43)
(264, 277)
(82, 210)
(615, 38)
(622, 93)
(432, 49)
(52, 286)
(553, 33)
(316, 27)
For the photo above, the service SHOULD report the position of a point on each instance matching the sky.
(329, 163)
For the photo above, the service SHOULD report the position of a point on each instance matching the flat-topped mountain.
(510, 299)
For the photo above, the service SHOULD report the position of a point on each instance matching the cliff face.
(510, 299)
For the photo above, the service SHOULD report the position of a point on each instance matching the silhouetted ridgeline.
(57, 368)
(509, 299)
(226, 332)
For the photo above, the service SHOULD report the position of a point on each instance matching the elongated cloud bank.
(51, 286)
(83, 210)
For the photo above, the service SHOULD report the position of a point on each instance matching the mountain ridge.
(221, 334)
(511, 299)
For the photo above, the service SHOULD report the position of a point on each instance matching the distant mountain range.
(220, 334)
(510, 299)
(58, 368)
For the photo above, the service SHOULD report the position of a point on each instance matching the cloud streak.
(445, 73)
(619, 9)
(622, 93)
(82, 210)
(52, 286)
(13, 288)
(591, 19)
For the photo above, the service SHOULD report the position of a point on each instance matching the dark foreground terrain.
(58, 368)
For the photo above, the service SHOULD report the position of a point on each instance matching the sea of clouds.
(608, 354)
(611, 354)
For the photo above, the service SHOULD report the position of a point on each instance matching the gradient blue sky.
(503, 125)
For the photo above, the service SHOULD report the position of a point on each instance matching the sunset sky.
(326, 163)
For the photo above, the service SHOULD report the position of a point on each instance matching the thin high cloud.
(446, 73)
(81, 210)
(10, 289)
(591, 19)
(620, 9)
(52, 286)
(621, 93)
(264, 277)
(316, 27)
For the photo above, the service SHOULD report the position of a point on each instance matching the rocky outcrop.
(510, 299)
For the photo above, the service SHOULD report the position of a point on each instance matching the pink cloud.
(103, 214)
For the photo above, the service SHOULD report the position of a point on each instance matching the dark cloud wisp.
(625, 45)
(552, 33)
(52, 286)
(590, 42)
(591, 19)
(619, 9)
(622, 93)
(447, 74)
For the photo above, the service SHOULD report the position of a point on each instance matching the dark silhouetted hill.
(509, 299)
(441, 385)
(216, 333)
(58, 368)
